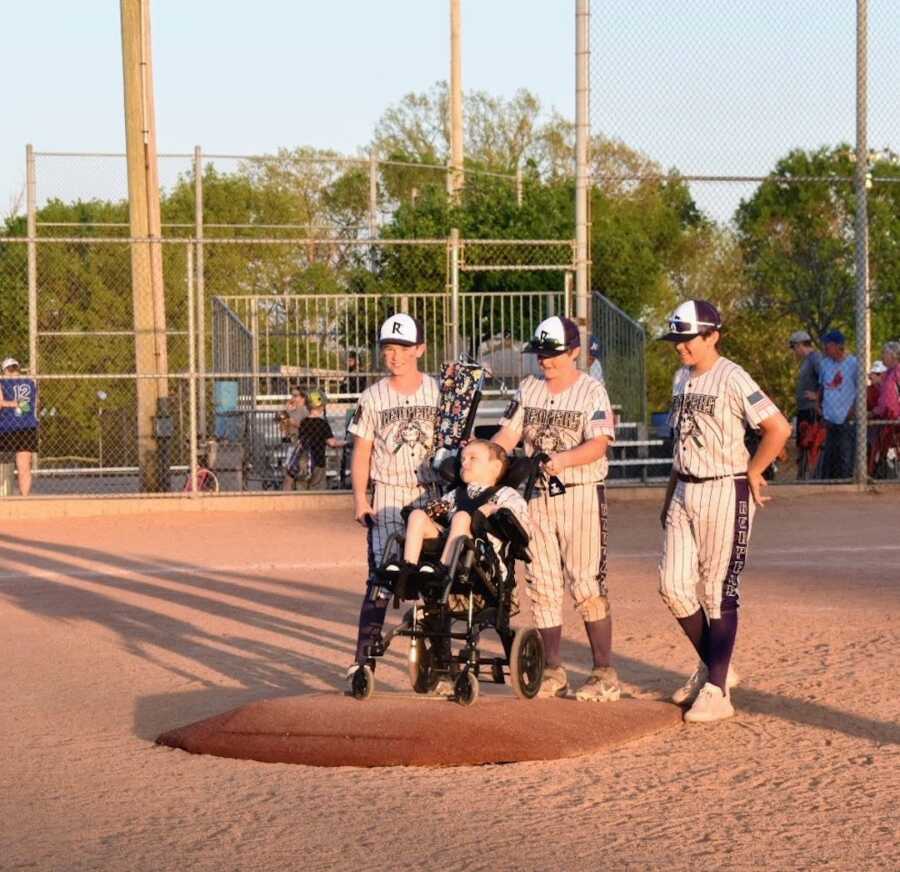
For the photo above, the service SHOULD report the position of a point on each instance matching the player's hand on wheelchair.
(363, 513)
(757, 482)
(555, 463)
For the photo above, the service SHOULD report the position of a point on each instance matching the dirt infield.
(117, 629)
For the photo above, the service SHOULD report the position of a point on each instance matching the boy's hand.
(364, 514)
(555, 463)
(757, 483)
(488, 509)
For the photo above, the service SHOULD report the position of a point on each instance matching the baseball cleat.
(555, 682)
(687, 693)
(711, 705)
(602, 685)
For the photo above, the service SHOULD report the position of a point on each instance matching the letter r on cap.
(396, 328)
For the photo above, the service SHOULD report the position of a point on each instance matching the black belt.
(693, 479)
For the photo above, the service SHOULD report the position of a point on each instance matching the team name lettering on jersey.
(553, 418)
(406, 413)
(691, 404)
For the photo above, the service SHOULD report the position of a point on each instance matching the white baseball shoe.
(602, 685)
(687, 693)
(554, 683)
(710, 705)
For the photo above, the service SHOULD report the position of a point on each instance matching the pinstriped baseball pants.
(705, 544)
(568, 549)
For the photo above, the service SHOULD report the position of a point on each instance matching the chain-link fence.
(129, 397)
(727, 141)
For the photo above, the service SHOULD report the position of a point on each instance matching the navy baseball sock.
(552, 637)
(696, 628)
(371, 620)
(722, 633)
(599, 634)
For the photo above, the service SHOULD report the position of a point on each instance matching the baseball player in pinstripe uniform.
(710, 501)
(566, 414)
(394, 436)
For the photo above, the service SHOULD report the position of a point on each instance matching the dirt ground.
(117, 629)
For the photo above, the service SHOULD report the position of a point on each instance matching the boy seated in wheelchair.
(462, 512)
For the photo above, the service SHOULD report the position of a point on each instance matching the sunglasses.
(689, 326)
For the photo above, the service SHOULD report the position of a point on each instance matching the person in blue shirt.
(18, 420)
(837, 385)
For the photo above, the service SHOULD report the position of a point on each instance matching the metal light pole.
(582, 173)
(863, 338)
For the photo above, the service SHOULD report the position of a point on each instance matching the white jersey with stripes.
(709, 415)
(551, 423)
(402, 430)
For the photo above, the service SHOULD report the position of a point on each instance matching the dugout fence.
(244, 319)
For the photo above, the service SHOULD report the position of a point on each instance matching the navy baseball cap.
(594, 347)
(691, 319)
(834, 336)
(401, 329)
(554, 336)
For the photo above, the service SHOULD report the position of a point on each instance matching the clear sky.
(716, 87)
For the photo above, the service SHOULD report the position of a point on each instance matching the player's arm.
(359, 477)
(506, 438)
(775, 432)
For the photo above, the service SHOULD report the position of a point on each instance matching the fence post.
(454, 293)
(373, 195)
(862, 242)
(200, 289)
(192, 371)
(31, 219)
(568, 279)
(519, 187)
(254, 350)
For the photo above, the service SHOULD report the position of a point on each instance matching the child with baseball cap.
(566, 414)
(307, 464)
(708, 509)
(393, 431)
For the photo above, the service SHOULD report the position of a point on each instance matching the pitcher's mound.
(330, 729)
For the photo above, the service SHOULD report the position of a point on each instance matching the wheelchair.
(477, 594)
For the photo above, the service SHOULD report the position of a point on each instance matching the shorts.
(14, 441)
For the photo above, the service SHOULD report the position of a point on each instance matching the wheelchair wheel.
(526, 663)
(465, 688)
(363, 684)
(418, 665)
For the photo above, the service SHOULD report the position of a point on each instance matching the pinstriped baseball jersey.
(709, 414)
(557, 422)
(402, 430)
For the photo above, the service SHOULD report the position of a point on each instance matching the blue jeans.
(840, 446)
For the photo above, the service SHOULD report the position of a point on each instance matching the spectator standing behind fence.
(18, 420)
(888, 405)
(806, 400)
(354, 383)
(307, 466)
(296, 412)
(837, 382)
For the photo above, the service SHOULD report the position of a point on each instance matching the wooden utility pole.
(146, 257)
(456, 180)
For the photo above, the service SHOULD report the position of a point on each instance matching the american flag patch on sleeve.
(599, 415)
(757, 397)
